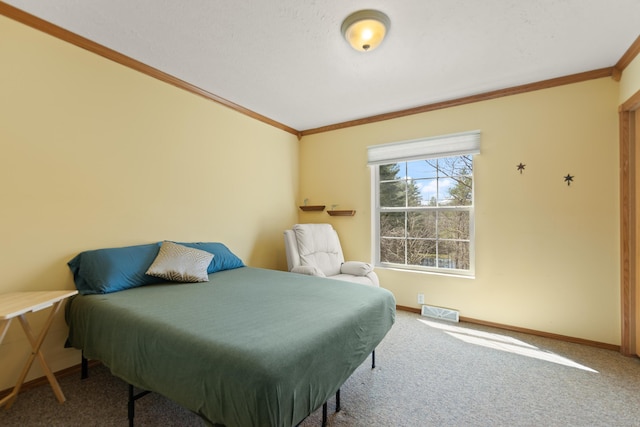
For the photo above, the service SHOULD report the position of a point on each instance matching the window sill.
(458, 275)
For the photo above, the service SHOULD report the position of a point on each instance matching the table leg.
(36, 343)
(4, 327)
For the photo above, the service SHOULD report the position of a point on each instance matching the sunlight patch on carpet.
(504, 343)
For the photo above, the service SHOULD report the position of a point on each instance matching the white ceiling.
(286, 59)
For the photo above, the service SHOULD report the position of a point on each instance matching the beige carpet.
(428, 373)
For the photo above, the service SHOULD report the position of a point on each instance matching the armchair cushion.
(318, 245)
(356, 268)
(309, 270)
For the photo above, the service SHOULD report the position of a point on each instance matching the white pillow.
(180, 263)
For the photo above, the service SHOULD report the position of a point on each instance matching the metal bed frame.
(133, 396)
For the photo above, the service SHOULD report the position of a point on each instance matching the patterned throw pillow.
(179, 263)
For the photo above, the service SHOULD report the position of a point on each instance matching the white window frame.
(466, 143)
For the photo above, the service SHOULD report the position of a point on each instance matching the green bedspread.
(251, 347)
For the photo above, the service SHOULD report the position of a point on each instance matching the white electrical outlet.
(420, 298)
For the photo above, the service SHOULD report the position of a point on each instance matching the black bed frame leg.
(84, 368)
(324, 414)
(132, 402)
(324, 406)
(131, 405)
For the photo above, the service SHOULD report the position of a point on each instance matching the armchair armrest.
(356, 268)
(309, 270)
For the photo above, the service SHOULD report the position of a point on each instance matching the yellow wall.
(95, 155)
(547, 254)
(630, 81)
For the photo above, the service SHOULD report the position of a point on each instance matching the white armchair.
(314, 249)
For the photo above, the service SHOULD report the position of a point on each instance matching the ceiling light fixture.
(364, 30)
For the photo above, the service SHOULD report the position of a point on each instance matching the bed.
(247, 347)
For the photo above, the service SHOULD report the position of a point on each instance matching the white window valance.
(456, 144)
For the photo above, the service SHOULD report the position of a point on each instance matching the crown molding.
(545, 84)
(84, 43)
(626, 59)
(58, 32)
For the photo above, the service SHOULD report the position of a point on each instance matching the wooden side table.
(17, 304)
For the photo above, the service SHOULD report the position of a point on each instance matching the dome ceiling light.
(364, 30)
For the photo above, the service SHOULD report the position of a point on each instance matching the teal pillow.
(223, 258)
(102, 271)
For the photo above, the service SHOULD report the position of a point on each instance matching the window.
(423, 196)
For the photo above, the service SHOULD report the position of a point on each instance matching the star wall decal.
(521, 167)
(568, 179)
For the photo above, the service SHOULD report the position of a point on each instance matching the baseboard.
(410, 309)
(37, 382)
(526, 331)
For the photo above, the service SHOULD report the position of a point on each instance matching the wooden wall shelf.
(312, 208)
(342, 213)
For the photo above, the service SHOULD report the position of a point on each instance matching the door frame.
(629, 238)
